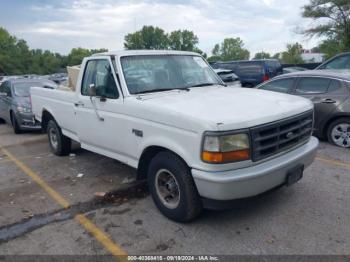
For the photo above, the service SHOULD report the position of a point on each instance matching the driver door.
(100, 126)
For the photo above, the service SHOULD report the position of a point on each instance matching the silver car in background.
(15, 102)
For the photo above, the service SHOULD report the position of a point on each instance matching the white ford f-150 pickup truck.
(197, 142)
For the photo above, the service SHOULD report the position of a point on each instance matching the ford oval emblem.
(289, 135)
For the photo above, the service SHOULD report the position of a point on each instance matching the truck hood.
(225, 108)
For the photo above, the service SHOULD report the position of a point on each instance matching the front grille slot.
(273, 138)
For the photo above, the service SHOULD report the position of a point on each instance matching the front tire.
(15, 125)
(172, 188)
(338, 132)
(60, 144)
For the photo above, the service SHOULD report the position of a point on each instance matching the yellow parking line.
(105, 240)
(23, 158)
(333, 162)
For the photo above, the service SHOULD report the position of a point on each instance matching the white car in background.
(229, 77)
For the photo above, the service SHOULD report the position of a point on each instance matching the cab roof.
(145, 52)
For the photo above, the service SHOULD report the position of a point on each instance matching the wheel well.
(45, 118)
(330, 121)
(147, 155)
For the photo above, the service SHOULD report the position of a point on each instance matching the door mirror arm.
(92, 90)
(92, 93)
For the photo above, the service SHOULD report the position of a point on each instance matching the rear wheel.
(172, 188)
(338, 132)
(60, 144)
(15, 125)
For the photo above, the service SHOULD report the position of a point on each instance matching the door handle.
(328, 101)
(78, 104)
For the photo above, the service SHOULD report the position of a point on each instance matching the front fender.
(174, 145)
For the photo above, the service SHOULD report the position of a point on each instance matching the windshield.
(154, 73)
(23, 89)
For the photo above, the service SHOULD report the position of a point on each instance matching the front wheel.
(60, 144)
(338, 132)
(15, 125)
(172, 188)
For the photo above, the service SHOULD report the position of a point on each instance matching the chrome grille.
(273, 138)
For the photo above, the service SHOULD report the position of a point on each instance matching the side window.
(334, 86)
(2, 87)
(313, 85)
(7, 88)
(99, 73)
(282, 85)
(342, 62)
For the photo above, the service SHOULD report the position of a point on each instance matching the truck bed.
(57, 102)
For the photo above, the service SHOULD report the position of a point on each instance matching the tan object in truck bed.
(73, 73)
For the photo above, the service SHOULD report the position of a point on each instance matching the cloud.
(262, 24)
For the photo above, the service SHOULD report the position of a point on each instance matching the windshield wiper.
(162, 90)
(206, 84)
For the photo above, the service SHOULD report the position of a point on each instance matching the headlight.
(22, 109)
(220, 149)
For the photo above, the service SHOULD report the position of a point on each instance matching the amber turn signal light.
(226, 157)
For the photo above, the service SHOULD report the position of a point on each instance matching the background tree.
(77, 55)
(183, 40)
(333, 22)
(262, 55)
(14, 54)
(330, 47)
(216, 50)
(148, 37)
(293, 54)
(230, 49)
(46, 62)
(17, 58)
(276, 56)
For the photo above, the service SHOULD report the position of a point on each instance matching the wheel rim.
(53, 138)
(167, 189)
(341, 135)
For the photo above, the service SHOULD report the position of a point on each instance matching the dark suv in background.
(329, 90)
(252, 72)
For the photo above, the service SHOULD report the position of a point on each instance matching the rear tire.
(60, 144)
(15, 125)
(338, 132)
(172, 188)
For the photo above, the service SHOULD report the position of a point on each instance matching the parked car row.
(327, 87)
(329, 90)
(252, 72)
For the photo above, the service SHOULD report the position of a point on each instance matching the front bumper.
(27, 121)
(254, 180)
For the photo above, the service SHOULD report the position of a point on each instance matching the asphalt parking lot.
(49, 206)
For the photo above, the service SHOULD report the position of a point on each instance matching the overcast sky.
(266, 25)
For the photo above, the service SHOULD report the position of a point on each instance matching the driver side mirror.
(92, 90)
